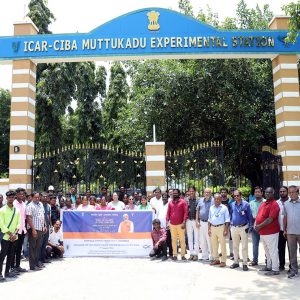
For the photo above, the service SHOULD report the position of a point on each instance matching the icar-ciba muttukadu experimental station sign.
(145, 33)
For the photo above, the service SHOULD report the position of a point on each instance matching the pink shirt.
(130, 207)
(106, 207)
(22, 209)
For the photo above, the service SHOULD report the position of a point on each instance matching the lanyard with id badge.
(217, 214)
(241, 210)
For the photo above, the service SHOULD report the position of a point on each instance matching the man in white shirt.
(156, 201)
(161, 215)
(55, 244)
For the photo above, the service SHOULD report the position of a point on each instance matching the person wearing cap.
(9, 224)
(159, 239)
(51, 189)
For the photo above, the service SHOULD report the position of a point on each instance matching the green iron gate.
(88, 167)
(201, 165)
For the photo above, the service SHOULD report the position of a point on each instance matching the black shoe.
(40, 265)
(264, 269)
(164, 258)
(10, 275)
(20, 270)
(281, 268)
(183, 258)
(2, 278)
(47, 261)
(245, 268)
(292, 275)
(35, 269)
(234, 266)
(272, 273)
(174, 258)
(15, 271)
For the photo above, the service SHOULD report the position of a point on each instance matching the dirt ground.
(141, 278)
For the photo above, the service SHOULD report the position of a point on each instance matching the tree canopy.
(190, 101)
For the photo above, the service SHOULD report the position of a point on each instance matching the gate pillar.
(22, 121)
(287, 109)
(155, 166)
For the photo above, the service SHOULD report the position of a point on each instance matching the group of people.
(208, 221)
(28, 229)
(31, 225)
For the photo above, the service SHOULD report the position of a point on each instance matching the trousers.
(16, 259)
(270, 243)
(35, 244)
(239, 235)
(7, 250)
(293, 240)
(205, 241)
(177, 233)
(217, 237)
(193, 236)
(255, 244)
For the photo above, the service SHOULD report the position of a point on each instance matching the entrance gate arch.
(149, 33)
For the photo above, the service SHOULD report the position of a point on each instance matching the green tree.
(4, 131)
(250, 18)
(57, 86)
(55, 90)
(185, 7)
(115, 103)
(91, 83)
(293, 10)
(193, 101)
(41, 15)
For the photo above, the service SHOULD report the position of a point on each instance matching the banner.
(147, 33)
(107, 233)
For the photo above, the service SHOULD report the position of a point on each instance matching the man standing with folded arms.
(177, 214)
(291, 227)
(267, 225)
(9, 225)
(218, 222)
(241, 223)
(36, 227)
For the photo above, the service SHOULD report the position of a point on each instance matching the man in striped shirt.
(36, 228)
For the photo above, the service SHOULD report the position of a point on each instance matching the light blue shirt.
(218, 215)
(203, 208)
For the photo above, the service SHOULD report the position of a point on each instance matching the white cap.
(51, 188)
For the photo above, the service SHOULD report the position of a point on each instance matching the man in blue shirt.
(218, 221)
(202, 213)
(241, 223)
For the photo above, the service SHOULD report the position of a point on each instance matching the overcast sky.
(83, 16)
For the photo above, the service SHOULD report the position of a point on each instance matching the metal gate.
(88, 167)
(201, 165)
(271, 167)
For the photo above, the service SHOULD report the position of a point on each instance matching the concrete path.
(124, 278)
(93, 278)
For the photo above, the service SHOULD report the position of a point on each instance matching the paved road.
(124, 278)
